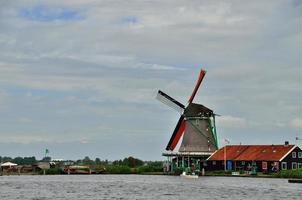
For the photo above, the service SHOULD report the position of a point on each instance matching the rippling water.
(144, 187)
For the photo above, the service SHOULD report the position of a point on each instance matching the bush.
(217, 173)
(145, 169)
(52, 171)
(118, 169)
(178, 171)
(289, 174)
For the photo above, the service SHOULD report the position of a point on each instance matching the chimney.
(286, 143)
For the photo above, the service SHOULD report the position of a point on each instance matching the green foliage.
(6, 159)
(46, 159)
(145, 169)
(289, 174)
(155, 163)
(117, 162)
(129, 165)
(178, 171)
(132, 162)
(97, 161)
(19, 160)
(114, 169)
(88, 161)
(52, 171)
(218, 173)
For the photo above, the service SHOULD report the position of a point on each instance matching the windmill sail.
(169, 101)
(200, 78)
(179, 129)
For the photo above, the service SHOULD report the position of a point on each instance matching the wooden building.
(262, 158)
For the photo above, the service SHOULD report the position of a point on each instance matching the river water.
(144, 187)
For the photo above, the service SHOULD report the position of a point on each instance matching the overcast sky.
(80, 77)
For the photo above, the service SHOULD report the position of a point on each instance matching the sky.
(80, 77)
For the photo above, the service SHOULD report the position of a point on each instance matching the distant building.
(264, 158)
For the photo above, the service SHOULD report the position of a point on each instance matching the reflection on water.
(144, 187)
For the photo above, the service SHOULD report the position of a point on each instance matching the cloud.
(73, 66)
(25, 120)
(296, 123)
(231, 122)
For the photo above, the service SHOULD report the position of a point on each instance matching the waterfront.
(144, 187)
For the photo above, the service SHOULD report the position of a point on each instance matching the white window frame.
(299, 154)
(294, 164)
(299, 165)
(294, 154)
(284, 163)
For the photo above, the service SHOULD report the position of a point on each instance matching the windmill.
(196, 124)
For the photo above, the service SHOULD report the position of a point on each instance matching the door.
(229, 165)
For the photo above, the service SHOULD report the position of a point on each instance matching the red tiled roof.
(252, 152)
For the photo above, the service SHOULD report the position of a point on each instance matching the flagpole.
(225, 169)
(225, 153)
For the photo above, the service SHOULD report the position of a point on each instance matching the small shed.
(8, 164)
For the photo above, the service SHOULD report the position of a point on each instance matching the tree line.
(129, 161)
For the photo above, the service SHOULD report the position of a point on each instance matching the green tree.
(31, 160)
(97, 161)
(18, 160)
(87, 161)
(46, 159)
(132, 162)
(7, 159)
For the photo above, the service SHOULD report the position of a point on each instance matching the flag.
(226, 141)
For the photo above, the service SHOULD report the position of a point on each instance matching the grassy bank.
(127, 170)
(281, 174)
(289, 174)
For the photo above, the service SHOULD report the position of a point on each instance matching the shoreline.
(153, 174)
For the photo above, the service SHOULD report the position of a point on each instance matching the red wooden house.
(265, 158)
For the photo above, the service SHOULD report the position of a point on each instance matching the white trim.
(294, 163)
(288, 153)
(212, 155)
(283, 168)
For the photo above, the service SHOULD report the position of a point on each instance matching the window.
(299, 165)
(294, 155)
(214, 162)
(299, 154)
(264, 165)
(294, 165)
(284, 165)
(242, 162)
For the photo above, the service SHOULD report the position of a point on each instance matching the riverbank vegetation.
(129, 165)
(289, 174)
